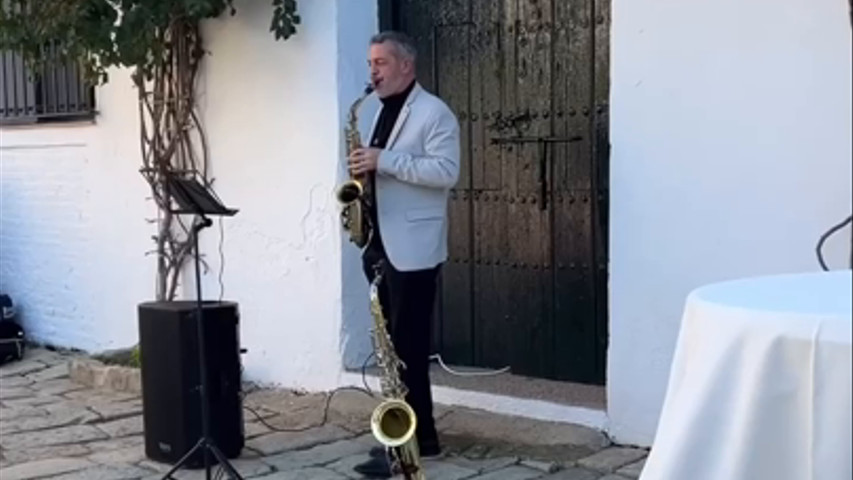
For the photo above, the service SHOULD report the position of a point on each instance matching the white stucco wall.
(353, 74)
(731, 155)
(273, 117)
(272, 112)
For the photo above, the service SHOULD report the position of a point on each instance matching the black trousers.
(407, 302)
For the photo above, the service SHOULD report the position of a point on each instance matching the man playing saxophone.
(412, 160)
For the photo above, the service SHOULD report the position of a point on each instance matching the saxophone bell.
(393, 423)
(349, 191)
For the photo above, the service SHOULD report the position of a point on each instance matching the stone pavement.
(52, 427)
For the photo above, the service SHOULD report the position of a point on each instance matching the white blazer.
(416, 170)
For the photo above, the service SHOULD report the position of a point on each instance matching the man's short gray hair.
(405, 45)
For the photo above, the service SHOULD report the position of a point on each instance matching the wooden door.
(525, 285)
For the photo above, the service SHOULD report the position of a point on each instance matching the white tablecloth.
(760, 385)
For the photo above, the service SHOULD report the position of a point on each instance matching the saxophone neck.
(353, 117)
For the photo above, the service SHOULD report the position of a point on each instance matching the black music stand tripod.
(194, 198)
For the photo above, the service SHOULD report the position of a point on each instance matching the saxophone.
(353, 193)
(393, 422)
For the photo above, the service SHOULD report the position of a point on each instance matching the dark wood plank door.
(525, 285)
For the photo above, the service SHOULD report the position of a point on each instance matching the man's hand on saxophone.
(364, 160)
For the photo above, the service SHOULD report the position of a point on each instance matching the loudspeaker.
(171, 400)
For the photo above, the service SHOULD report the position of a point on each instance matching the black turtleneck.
(391, 106)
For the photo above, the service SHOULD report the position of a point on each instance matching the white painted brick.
(46, 243)
(73, 235)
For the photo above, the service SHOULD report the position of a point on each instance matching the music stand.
(194, 198)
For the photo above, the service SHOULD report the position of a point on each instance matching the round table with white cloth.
(760, 384)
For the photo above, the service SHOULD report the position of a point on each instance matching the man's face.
(389, 72)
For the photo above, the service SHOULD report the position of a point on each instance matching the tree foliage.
(114, 33)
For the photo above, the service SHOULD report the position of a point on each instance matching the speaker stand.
(193, 197)
(205, 443)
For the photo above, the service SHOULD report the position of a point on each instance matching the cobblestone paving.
(51, 427)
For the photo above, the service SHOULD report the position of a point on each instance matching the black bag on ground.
(11, 333)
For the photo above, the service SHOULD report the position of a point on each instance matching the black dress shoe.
(429, 449)
(375, 467)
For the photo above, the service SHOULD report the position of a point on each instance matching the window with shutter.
(54, 92)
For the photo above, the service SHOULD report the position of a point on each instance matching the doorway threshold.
(509, 394)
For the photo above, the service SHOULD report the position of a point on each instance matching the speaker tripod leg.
(209, 449)
(223, 462)
(200, 444)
